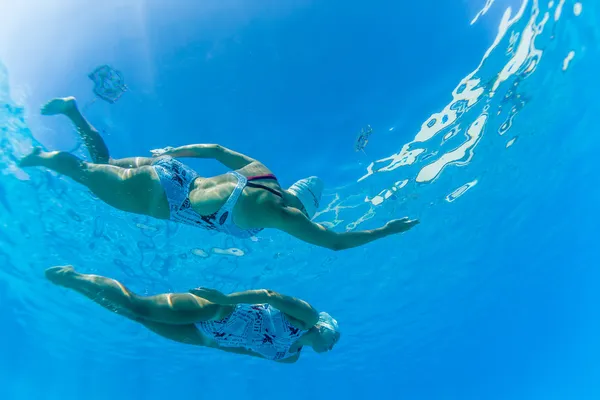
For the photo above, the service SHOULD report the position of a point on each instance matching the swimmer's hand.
(212, 295)
(167, 151)
(400, 225)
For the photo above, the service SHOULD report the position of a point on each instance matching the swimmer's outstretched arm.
(229, 158)
(296, 308)
(294, 222)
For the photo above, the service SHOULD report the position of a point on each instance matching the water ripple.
(488, 99)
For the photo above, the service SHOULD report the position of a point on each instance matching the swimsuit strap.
(225, 213)
(268, 189)
(259, 177)
(259, 186)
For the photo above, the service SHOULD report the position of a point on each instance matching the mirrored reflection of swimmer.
(241, 202)
(258, 323)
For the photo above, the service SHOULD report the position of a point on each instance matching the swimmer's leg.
(187, 334)
(131, 162)
(170, 308)
(136, 190)
(67, 106)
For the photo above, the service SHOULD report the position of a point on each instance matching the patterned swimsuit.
(176, 179)
(256, 327)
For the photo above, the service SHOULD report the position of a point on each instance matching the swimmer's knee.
(140, 309)
(112, 161)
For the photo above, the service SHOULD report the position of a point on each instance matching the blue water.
(484, 129)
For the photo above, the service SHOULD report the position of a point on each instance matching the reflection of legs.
(170, 308)
(132, 190)
(91, 137)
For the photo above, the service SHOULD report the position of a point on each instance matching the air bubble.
(460, 191)
(505, 127)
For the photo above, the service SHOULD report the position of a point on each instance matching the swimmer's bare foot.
(63, 105)
(34, 159)
(61, 275)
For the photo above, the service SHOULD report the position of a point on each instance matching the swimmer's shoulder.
(255, 168)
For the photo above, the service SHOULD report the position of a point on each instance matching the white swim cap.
(328, 322)
(309, 192)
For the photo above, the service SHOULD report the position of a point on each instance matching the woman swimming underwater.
(241, 202)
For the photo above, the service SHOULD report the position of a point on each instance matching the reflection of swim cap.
(308, 191)
(328, 322)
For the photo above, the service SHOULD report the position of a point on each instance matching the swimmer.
(259, 323)
(241, 202)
